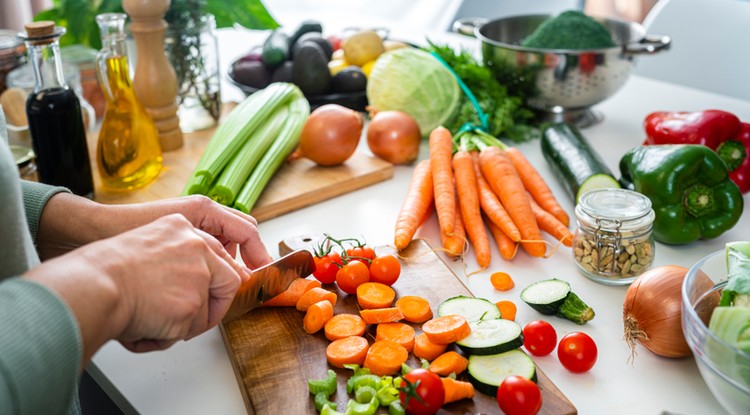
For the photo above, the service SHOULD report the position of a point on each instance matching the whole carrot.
(468, 199)
(418, 200)
(505, 245)
(536, 185)
(441, 155)
(454, 243)
(503, 178)
(492, 207)
(551, 224)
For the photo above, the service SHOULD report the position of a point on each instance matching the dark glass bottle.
(57, 131)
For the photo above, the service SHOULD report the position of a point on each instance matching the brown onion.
(331, 134)
(394, 137)
(652, 310)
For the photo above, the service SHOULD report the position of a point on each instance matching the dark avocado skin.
(307, 26)
(349, 79)
(283, 73)
(310, 69)
(313, 37)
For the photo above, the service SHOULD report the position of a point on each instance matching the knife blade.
(269, 281)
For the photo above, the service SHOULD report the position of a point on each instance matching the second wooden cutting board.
(273, 357)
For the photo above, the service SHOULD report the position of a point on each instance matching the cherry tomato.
(577, 352)
(519, 396)
(423, 393)
(539, 338)
(351, 275)
(326, 267)
(385, 269)
(361, 253)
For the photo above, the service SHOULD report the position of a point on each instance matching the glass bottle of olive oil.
(128, 154)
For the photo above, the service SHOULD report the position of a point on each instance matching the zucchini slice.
(486, 373)
(554, 297)
(473, 309)
(572, 160)
(492, 337)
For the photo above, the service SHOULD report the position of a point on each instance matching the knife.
(269, 281)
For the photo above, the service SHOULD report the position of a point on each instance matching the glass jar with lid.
(613, 242)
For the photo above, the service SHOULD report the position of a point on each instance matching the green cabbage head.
(415, 82)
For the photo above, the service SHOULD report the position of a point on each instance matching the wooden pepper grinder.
(155, 81)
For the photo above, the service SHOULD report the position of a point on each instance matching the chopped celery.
(395, 408)
(368, 408)
(321, 400)
(364, 394)
(326, 385)
(328, 410)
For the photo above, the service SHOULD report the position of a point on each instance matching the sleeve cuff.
(35, 196)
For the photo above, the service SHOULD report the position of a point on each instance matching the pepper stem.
(732, 152)
(699, 200)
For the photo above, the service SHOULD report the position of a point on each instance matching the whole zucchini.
(575, 164)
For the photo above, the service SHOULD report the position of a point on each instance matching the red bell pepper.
(718, 130)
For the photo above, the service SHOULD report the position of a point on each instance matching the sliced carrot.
(375, 295)
(446, 329)
(385, 357)
(400, 333)
(414, 308)
(381, 315)
(316, 316)
(441, 152)
(536, 185)
(491, 205)
(290, 296)
(347, 351)
(507, 309)
(419, 199)
(455, 242)
(552, 225)
(501, 281)
(505, 245)
(503, 178)
(455, 390)
(344, 325)
(314, 295)
(468, 198)
(427, 350)
(449, 362)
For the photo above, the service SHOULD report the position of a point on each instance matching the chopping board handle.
(294, 243)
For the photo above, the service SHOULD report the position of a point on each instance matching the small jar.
(613, 242)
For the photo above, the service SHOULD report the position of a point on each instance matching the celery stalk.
(275, 156)
(236, 172)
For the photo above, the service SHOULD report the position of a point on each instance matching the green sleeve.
(35, 196)
(41, 350)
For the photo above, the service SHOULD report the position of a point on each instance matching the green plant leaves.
(251, 14)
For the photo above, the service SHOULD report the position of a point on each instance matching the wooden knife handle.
(294, 243)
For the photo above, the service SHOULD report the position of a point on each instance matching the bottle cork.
(41, 32)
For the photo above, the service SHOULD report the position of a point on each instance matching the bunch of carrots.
(394, 337)
(472, 180)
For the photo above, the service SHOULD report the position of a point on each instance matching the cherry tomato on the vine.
(385, 269)
(326, 267)
(361, 253)
(519, 396)
(351, 275)
(577, 352)
(539, 337)
(425, 385)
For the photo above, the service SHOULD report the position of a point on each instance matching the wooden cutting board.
(297, 184)
(273, 357)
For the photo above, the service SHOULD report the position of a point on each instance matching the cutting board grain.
(273, 357)
(297, 184)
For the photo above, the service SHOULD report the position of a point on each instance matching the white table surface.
(196, 377)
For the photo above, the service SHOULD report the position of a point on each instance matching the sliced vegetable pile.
(474, 180)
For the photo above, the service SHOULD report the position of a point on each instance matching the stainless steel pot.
(562, 84)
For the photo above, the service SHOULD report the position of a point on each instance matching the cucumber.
(486, 373)
(492, 337)
(275, 49)
(473, 309)
(574, 162)
(554, 297)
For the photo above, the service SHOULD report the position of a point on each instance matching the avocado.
(252, 73)
(310, 69)
(349, 79)
(307, 26)
(317, 38)
(283, 73)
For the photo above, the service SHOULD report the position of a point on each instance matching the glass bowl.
(724, 368)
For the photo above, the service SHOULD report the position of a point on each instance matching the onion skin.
(331, 134)
(652, 312)
(394, 136)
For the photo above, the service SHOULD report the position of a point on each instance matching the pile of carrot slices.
(474, 182)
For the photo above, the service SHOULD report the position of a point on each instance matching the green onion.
(236, 172)
(284, 144)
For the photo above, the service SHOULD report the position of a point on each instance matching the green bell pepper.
(689, 188)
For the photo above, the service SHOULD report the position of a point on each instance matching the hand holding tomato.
(577, 352)
(519, 396)
(423, 392)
